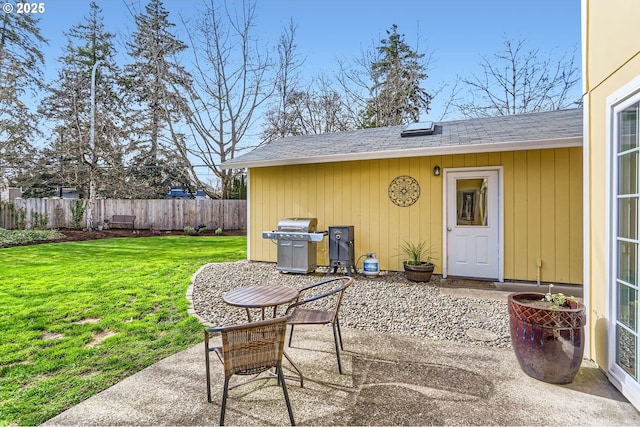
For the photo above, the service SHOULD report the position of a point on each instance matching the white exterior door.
(473, 224)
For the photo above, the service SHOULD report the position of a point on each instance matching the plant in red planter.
(547, 334)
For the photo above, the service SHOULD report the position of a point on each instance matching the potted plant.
(418, 266)
(547, 334)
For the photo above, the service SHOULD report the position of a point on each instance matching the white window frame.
(618, 101)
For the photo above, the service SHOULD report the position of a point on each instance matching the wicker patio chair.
(249, 349)
(312, 311)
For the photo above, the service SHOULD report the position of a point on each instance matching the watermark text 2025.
(24, 8)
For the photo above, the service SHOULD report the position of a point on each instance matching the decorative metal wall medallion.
(404, 190)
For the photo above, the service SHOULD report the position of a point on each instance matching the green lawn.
(59, 299)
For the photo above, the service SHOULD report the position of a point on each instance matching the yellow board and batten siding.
(542, 208)
(611, 60)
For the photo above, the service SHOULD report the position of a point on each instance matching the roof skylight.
(416, 129)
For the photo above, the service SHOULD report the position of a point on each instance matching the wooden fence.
(165, 214)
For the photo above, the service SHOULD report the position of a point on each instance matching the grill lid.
(305, 225)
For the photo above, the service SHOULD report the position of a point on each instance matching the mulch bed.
(72, 235)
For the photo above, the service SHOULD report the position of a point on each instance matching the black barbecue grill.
(297, 241)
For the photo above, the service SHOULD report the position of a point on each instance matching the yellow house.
(496, 198)
(611, 70)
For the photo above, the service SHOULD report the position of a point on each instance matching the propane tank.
(371, 265)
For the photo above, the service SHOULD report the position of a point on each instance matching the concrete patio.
(389, 380)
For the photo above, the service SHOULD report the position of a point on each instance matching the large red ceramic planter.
(548, 343)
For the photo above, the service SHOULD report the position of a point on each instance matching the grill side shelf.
(290, 235)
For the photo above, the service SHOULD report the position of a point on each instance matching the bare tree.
(318, 109)
(354, 81)
(288, 79)
(232, 79)
(517, 81)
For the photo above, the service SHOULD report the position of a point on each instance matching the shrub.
(190, 231)
(19, 216)
(12, 237)
(39, 221)
(77, 210)
(194, 231)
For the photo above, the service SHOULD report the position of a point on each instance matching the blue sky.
(454, 32)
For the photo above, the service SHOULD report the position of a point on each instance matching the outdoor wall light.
(436, 170)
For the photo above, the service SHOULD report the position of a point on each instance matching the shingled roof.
(549, 129)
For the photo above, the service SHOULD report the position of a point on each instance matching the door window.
(471, 202)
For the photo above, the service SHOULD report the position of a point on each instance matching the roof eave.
(490, 147)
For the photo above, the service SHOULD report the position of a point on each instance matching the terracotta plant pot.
(548, 343)
(418, 272)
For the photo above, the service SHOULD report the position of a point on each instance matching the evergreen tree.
(156, 81)
(397, 96)
(97, 157)
(21, 60)
(238, 188)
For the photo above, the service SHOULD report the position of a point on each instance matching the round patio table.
(261, 297)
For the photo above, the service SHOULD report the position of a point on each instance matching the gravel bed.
(384, 303)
